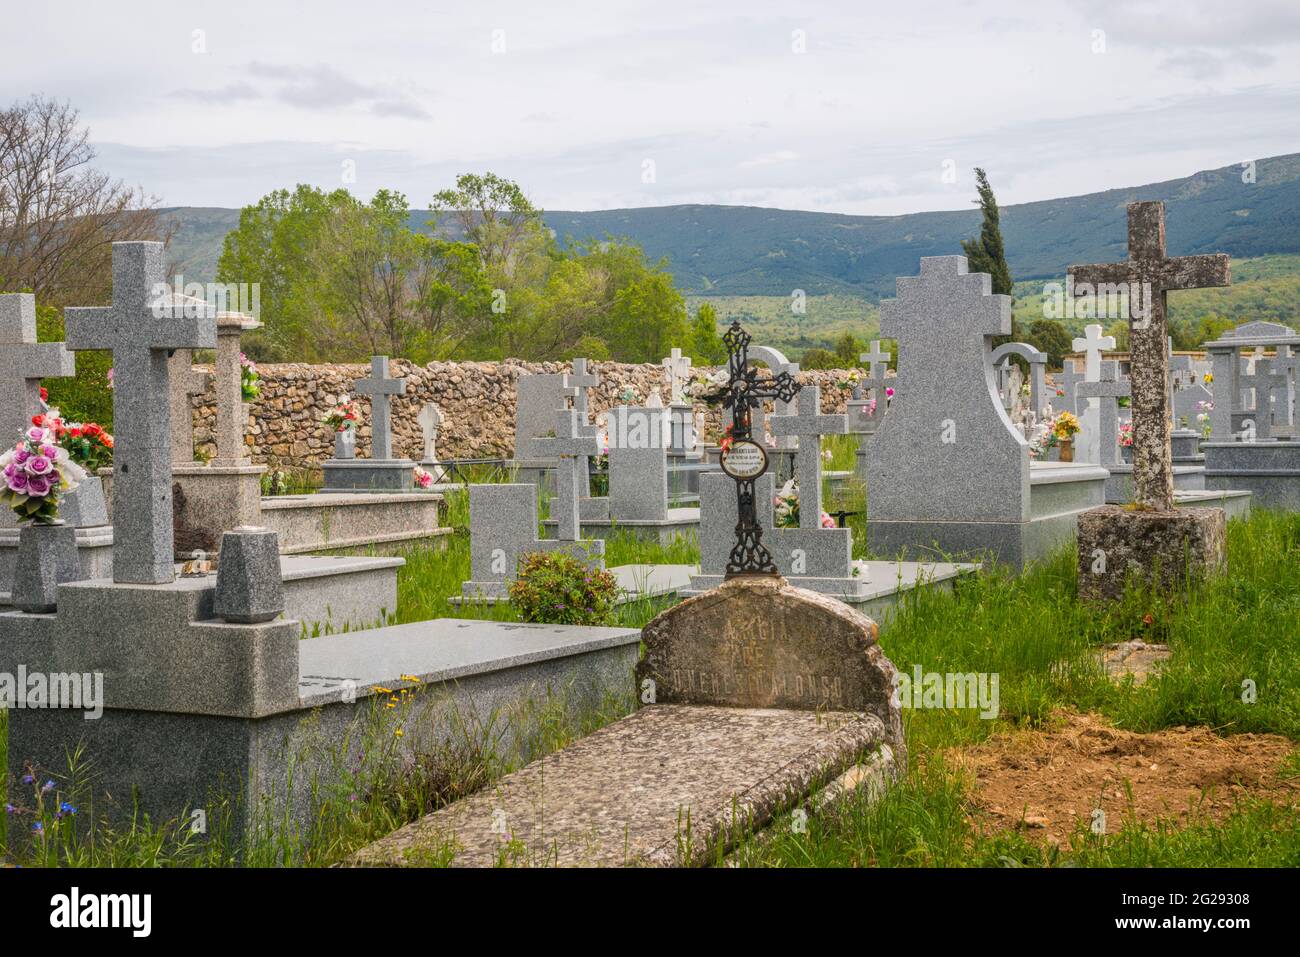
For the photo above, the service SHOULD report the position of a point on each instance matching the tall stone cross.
(380, 387)
(741, 398)
(809, 424)
(140, 328)
(877, 363)
(572, 448)
(185, 381)
(1092, 344)
(678, 367)
(1147, 265)
(1109, 390)
(23, 363)
(1068, 380)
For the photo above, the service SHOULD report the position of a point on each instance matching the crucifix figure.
(1150, 274)
(379, 387)
(140, 328)
(809, 424)
(741, 396)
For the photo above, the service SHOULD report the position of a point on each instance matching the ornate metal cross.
(742, 395)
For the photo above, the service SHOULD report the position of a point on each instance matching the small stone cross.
(809, 424)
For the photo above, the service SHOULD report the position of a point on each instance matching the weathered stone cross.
(1153, 484)
(23, 363)
(679, 368)
(809, 424)
(429, 419)
(140, 328)
(379, 387)
(571, 448)
(582, 380)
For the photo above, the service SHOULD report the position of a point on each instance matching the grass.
(1232, 635)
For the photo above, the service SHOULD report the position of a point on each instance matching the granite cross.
(23, 363)
(1068, 380)
(582, 380)
(1147, 265)
(877, 365)
(741, 397)
(140, 328)
(571, 448)
(1108, 389)
(809, 424)
(679, 368)
(185, 381)
(379, 387)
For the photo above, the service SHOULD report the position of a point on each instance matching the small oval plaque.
(744, 460)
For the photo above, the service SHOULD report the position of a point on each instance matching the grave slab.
(1270, 471)
(760, 692)
(327, 521)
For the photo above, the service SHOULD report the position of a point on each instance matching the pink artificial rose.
(17, 482)
(37, 486)
(21, 455)
(39, 465)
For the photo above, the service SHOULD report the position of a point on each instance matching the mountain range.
(752, 251)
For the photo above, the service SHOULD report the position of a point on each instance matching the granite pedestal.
(209, 499)
(369, 475)
(1268, 470)
(1167, 550)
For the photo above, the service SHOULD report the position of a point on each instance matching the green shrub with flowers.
(555, 588)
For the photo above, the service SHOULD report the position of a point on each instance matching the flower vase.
(1126, 454)
(345, 444)
(1067, 450)
(47, 557)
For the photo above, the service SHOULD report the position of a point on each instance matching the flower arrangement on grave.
(422, 478)
(1208, 378)
(850, 381)
(37, 471)
(1203, 417)
(728, 437)
(1126, 435)
(1065, 426)
(785, 509)
(556, 588)
(88, 445)
(343, 416)
(707, 387)
(249, 380)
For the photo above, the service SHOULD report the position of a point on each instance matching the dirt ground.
(1048, 781)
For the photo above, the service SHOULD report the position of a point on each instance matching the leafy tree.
(847, 349)
(492, 213)
(819, 358)
(1050, 336)
(706, 348)
(986, 252)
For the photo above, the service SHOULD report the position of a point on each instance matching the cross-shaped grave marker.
(679, 370)
(1108, 390)
(581, 380)
(1068, 380)
(380, 387)
(1092, 344)
(1155, 274)
(23, 363)
(430, 418)
(809, 424)
(572, 449)
(140, 328)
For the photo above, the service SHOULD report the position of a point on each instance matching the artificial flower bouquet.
(343, 416)
(37, 471)
(249, 380)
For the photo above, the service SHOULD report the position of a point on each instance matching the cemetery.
(648, 611)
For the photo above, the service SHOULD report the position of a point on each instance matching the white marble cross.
(430, 418)
(1092, 344)
(679, 370)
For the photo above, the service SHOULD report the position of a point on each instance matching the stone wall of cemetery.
(477, 401)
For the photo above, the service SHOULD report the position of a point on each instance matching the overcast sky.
(851, 106)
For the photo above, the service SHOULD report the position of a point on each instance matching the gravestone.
(756, 694)
(23, 363)
(381, 472)
(678, 368)
(869, 404)
(211, 499)
(638, 464)
(1037, 360)
(1108, 391)
(572, 450)
(538, 398)
(1067, 380)
(430, 418)
(186, 382)
(1152, 540)
(1092, 344)
(502, 529)
(807, 424)
(140, 328)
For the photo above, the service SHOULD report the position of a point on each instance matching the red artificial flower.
(44, 395)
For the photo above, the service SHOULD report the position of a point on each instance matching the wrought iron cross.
(742, 395)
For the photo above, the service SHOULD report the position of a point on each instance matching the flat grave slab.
(661, 787)
(340, 520)
(679, 522)
(439, 650)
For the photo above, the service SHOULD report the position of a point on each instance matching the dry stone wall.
(477, 401)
